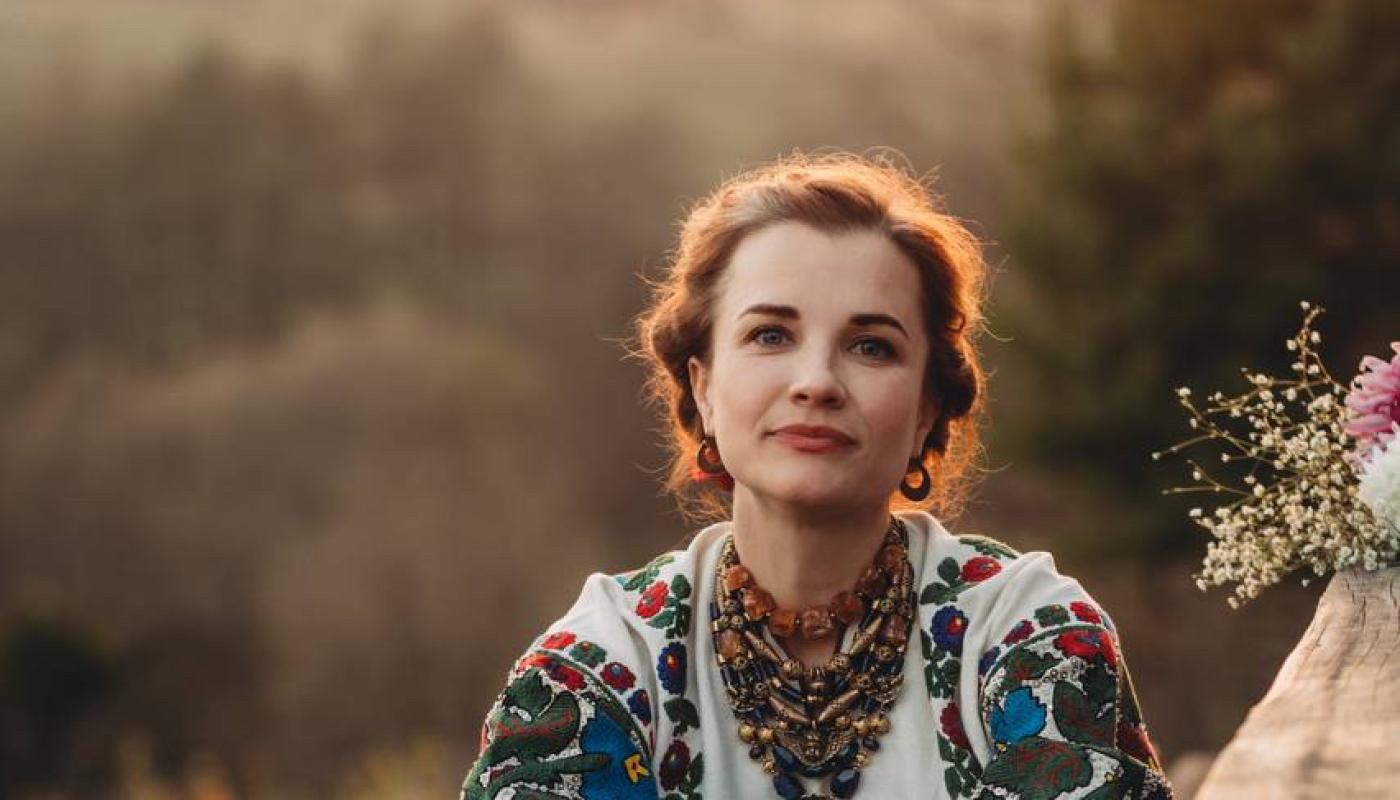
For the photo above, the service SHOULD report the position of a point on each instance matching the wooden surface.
(1329, 726)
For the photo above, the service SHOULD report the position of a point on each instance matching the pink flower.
(1374, 401)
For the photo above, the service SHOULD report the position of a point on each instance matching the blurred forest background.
(312, 404)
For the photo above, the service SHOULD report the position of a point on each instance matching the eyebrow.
(862, 320)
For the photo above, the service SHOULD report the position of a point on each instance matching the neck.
(804, 556)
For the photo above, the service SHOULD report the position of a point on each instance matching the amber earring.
(707, 457)
(920, 490)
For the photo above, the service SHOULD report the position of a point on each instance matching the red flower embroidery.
(652, 600)
(618, 676)
(1086, 612)
(951, 721)
(562, 673)
(532, 660)
(1087, 644)
(980, 568)
(558, 641)
(1021, 631)
(1132, 739)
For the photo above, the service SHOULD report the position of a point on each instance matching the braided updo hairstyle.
(833, 192)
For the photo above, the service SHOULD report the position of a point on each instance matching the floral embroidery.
(943, 649)
(625, 776)
(1085, 612)
(588, 654)
(640, 706)
(632, 581)
(1053, 614)
(1087, 644)
(949, 625)
(558, 641)
(988, 658)
(551, 733)
(1052, 705)
(674, 764)
(1020, 715)
(663, 604)
(670, 668)
(980, 568)
(652, 600)
(1018, 633)
(951, 723)
(618, 676)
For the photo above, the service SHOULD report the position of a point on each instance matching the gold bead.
(746, 733)
(862, 727)
(861, 759)
(882, 724)
(765, 735)
(769, 767)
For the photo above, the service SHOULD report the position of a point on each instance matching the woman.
(812, 348)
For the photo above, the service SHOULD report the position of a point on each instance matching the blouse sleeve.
(573, 722)
(1056, 703)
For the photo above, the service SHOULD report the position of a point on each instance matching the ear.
(700, 390)
(928, 415)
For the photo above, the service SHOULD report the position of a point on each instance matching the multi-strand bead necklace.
(821, 721)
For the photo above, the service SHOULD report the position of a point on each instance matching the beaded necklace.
(822, 721)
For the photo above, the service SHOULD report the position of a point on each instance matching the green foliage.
(1206, 166)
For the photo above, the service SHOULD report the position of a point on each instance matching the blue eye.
(885, 349)
(758, 334)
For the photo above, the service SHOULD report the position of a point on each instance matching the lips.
(814, 437)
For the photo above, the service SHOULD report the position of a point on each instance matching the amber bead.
(737, 577)
(731, 644)
(895, 631)
(816, 623)
(892, 557)
(847, 607)
(871, 582)
(783, 622)
(757, 603)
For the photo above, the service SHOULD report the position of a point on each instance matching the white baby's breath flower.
(1380, 485)
(1300, 506)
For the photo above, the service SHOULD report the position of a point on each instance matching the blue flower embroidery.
(670, 667)
(640, 706)
(949, 625)
(1020, 715)
(627, 774)
(988, 659)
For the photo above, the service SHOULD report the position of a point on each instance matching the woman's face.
(813, 329)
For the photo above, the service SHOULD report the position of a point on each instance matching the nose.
(817, 384)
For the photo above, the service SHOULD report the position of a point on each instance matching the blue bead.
(787, 787)
(847, 753)
(786, 761)
(845, 783)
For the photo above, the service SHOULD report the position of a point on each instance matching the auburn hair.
(834, 192)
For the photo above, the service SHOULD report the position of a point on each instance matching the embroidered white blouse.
(1014, 688)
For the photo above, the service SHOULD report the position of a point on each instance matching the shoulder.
(581, 707)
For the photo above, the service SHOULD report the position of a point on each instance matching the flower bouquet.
(1315, 484)
(1317, 471)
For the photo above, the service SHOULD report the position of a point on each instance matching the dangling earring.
(920, 491)
(709, 467)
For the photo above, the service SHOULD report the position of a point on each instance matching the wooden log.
(1330, 724)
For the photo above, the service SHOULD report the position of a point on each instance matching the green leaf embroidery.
(1023, 664)
(949, 570)
(682, 713)
(1078, 719)
(1036, 768)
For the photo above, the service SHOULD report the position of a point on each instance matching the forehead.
(822, 275)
